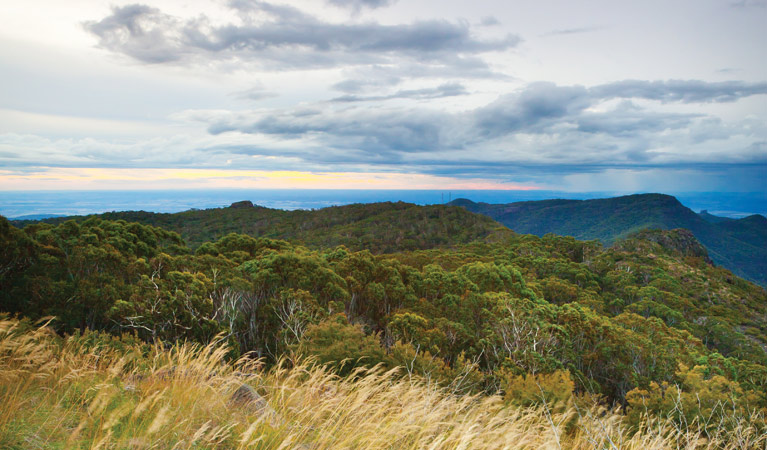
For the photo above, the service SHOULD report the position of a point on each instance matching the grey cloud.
(541, 124)
(542, 105)
(310, 157)
(288, 38)
(627, 120)
(749, 4)
(254, 94)
(489, 21)
(532, 109)
(140, 32)
(570, 31)
(359, 79)
(684, 91)
(357, 5)
(444, 90)
(375, 131)
(760, 150)
(381, 77)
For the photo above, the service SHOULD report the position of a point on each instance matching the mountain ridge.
(357, 226)
(736, 244)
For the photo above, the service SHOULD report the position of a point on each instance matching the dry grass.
(62, 394)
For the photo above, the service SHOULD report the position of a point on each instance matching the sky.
(620, 96)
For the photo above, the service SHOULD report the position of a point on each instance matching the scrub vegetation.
(450, 331)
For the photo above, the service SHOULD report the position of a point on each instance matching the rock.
(247, 397)
(242, 204)
(679, 242)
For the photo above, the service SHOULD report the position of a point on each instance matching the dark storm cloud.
(288, 38)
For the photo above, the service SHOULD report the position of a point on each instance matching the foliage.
(479, 311)
(342, 345)
(378, 227)
(63, 393)
(706, 399)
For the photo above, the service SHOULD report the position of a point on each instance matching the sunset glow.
(98, 178)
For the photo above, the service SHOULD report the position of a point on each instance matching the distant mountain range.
(739, 245)
(37, 216)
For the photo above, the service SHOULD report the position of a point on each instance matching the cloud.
(571, 31)
(379, 77)
(254, 94)
(538, 131)
(726, 70)
(375, 80)
(489, 21)
(443, 90)
(541, 125)
(748, 4)
(533, 109)
(371, 132)
(628, 120)
(140, 32)
(684, 91)
(541, 106)
(357, 5)
(277, 37)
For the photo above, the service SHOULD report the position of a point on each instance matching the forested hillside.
(446, 293)
(737, 244)
(378, 227)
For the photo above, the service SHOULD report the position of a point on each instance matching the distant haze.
(17, 204)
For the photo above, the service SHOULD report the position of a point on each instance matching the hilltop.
(378, 227)
(737, 244)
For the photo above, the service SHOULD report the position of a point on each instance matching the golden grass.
(63, 394)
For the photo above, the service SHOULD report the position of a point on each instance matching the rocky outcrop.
(679, 241)
(242, 204)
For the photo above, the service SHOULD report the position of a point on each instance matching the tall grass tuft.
(77, 393)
